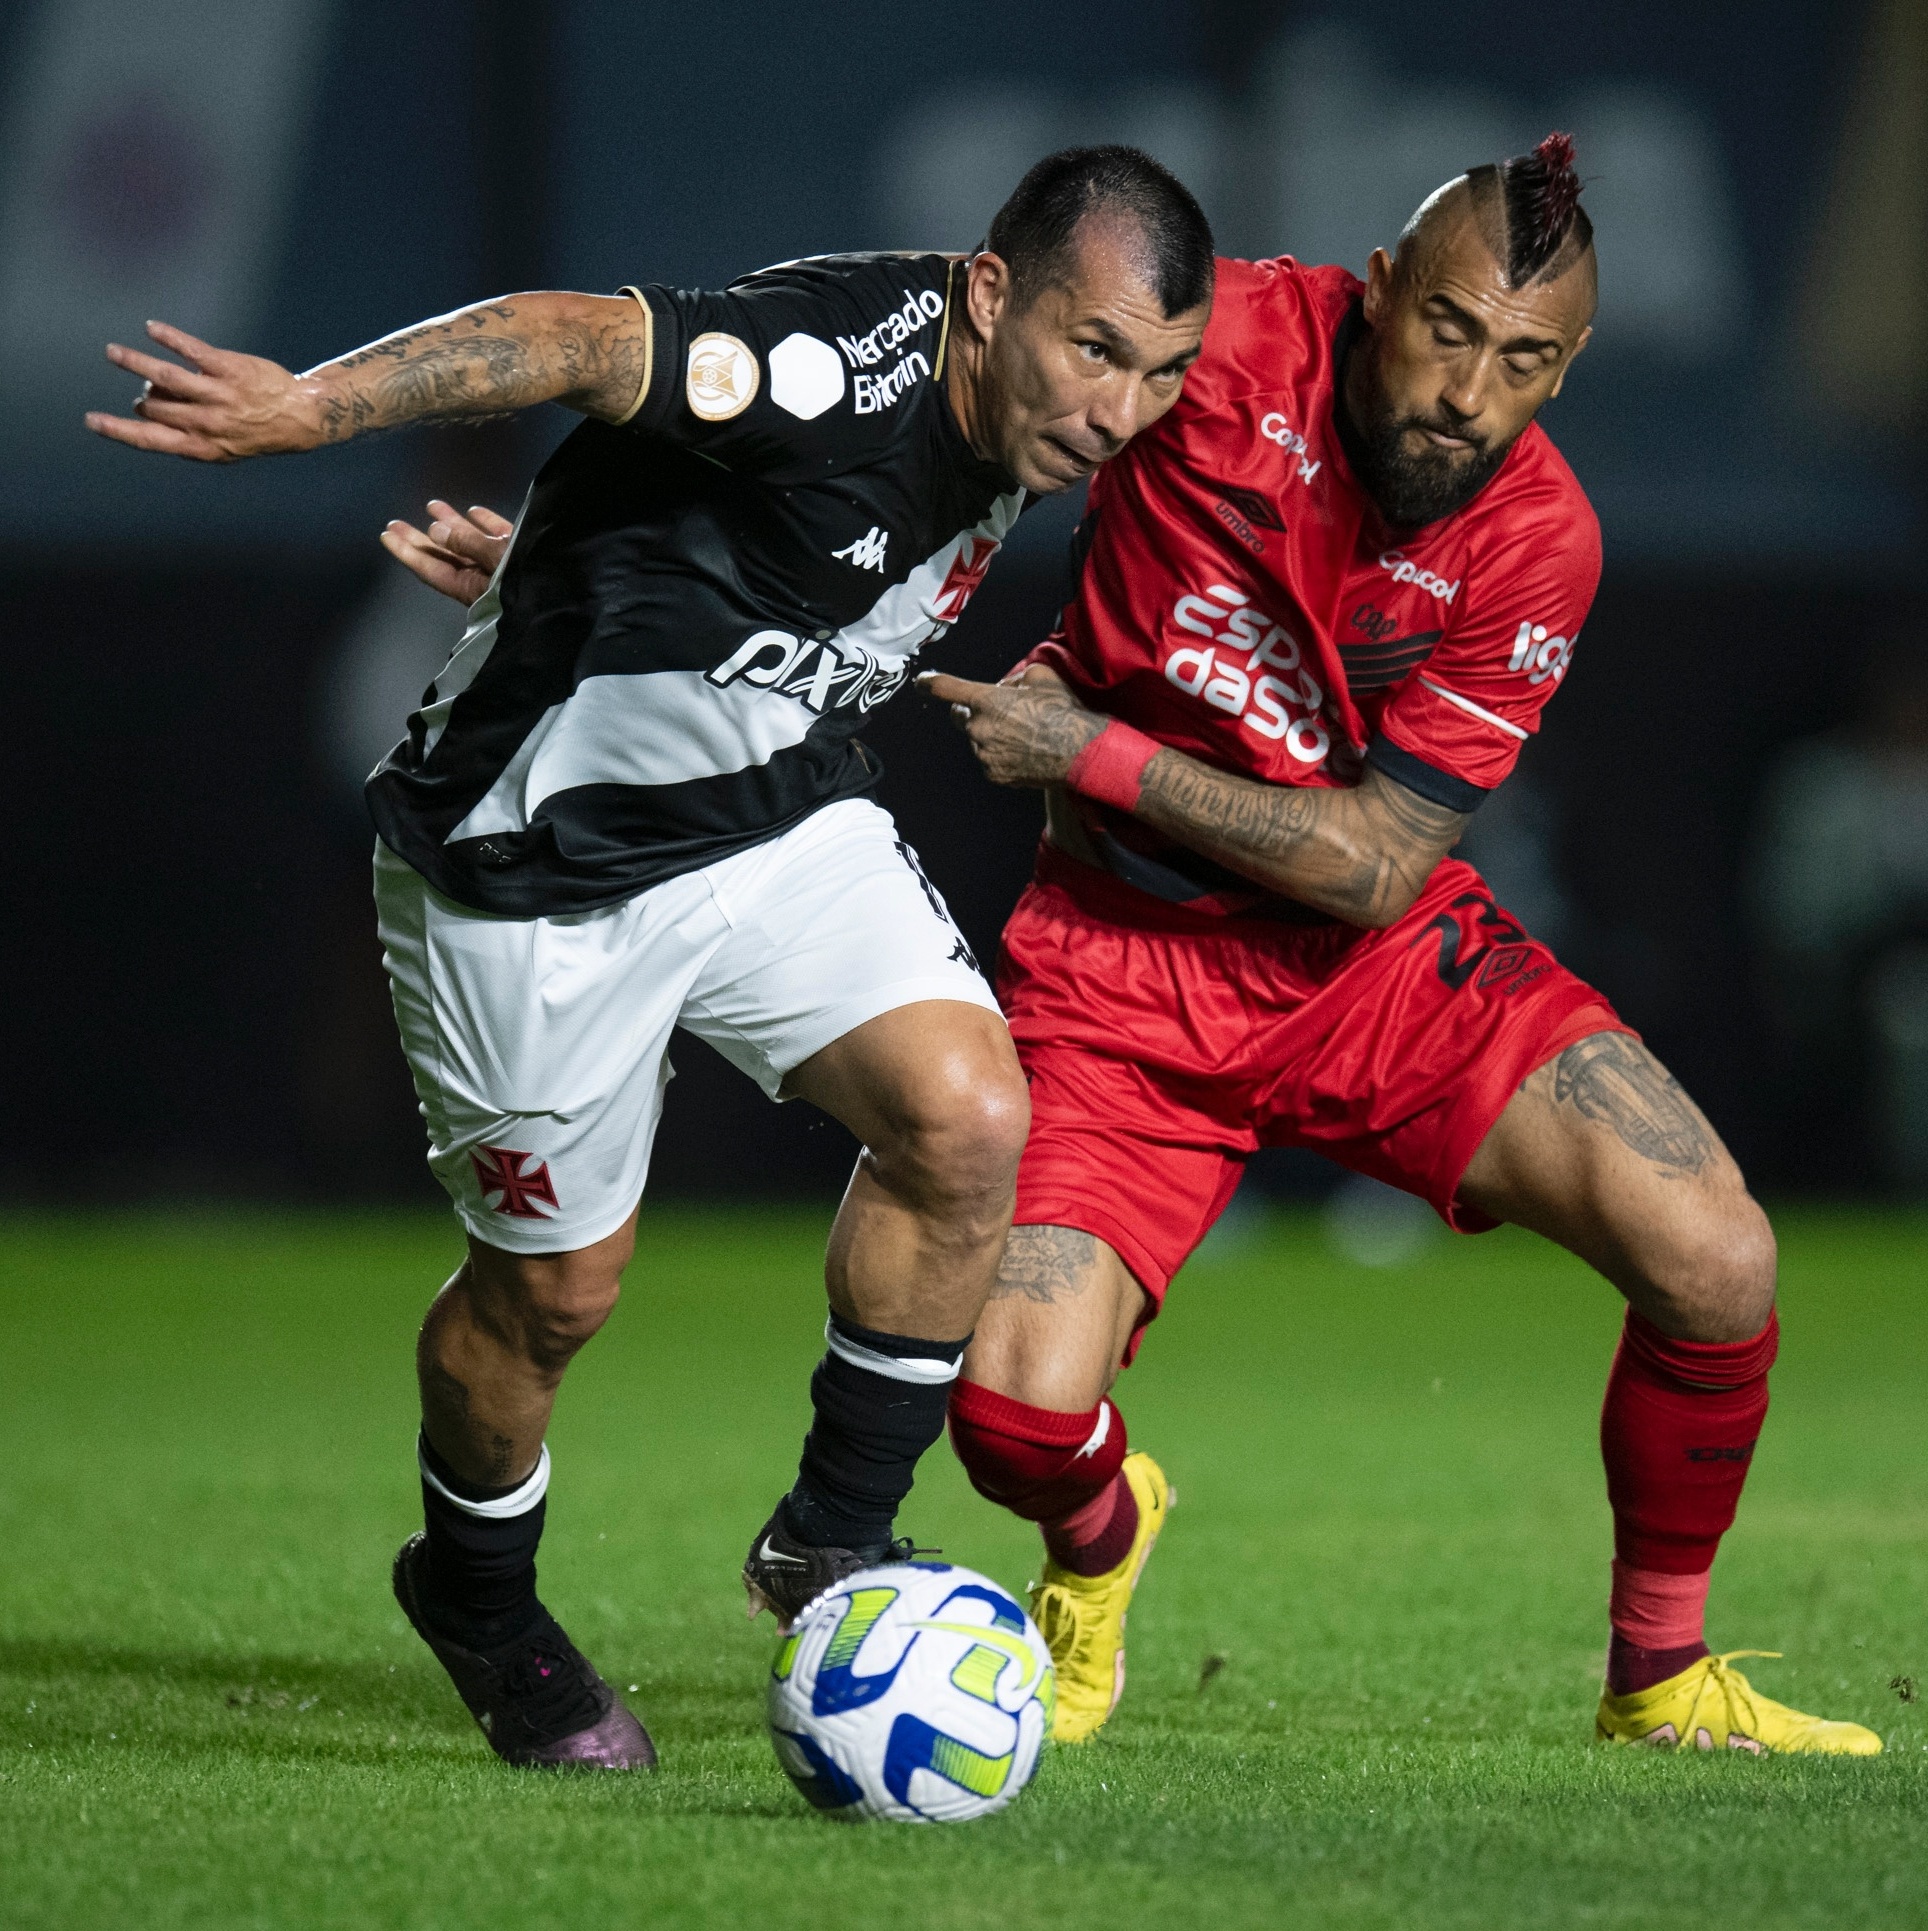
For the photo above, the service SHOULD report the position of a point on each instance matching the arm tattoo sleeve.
(490, 361)
(1615, 1080)
(1361, 853)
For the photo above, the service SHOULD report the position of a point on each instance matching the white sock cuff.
(924, 1370)
(518, 1501)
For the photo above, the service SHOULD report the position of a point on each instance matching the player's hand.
(217, 408)
(1025, 733)
(456, 554)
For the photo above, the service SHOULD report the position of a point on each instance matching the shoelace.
(1056, 1612)
(1735, 1693)
(552, 1690)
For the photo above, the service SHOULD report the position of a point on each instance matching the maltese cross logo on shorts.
(524, 1194)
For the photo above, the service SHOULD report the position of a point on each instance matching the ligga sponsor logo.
(1539, 655)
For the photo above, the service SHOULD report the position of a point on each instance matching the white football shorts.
(540, 1047)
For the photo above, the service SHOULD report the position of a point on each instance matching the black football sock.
(879, 1402)
(480, 1577)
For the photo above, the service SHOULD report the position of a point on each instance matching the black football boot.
(538, 1700)
(785, 1576)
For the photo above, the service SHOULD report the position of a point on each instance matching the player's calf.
(934, 1093)
(491, 1355)
(1603, 1151)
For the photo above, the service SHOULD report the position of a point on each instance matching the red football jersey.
(1241, 599)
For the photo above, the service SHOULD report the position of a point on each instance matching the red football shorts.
(1165, 1046)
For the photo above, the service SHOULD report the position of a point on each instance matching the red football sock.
(1054, 1468)
(1677, 1433)
(1097, 1537)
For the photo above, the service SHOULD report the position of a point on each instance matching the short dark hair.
(1035, 232)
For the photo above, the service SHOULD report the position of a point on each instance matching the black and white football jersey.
(701, 605)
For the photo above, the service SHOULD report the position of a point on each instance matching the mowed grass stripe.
(1390, 1532)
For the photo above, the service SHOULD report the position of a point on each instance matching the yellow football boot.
(1709, 1706)
(1082, 1618)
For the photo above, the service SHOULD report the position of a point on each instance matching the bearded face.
(1412, 479)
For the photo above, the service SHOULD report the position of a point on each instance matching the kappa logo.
(722, 378)
(524, 1191)
(1539, 655)
(867, 553)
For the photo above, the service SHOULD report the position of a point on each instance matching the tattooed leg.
(494, 1347)
(1055, 1327)
(1602, 1151)
(1047, 1264)
(1614, 1079)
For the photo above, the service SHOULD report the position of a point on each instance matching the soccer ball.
(918, 1691)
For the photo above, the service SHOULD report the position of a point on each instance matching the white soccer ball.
(918, 1691)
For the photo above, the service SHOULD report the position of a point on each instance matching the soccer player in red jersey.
(1322, 606)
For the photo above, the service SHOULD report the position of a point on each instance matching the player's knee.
(1717, 1274)
(551, 1304)
(954, 1146)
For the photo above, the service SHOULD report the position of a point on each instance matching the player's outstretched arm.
(588, 352)
(1362, 853)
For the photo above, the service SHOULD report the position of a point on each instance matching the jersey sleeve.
(1455, 728)
(799, 367)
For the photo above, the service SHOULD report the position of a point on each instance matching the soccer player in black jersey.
(634, 799)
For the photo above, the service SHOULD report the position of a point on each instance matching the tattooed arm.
(1361, 853)
(589, 352)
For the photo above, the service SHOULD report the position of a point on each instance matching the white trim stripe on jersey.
(641, 728)
(518, 1501)
(923, 1370)
(1471, 709)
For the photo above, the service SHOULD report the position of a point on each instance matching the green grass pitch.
(1390, 1529)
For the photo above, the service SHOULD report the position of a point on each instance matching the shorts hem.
(1596, 1016)
(828, 1027)
(525, 1236)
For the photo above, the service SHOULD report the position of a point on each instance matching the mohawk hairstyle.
(1530, 211)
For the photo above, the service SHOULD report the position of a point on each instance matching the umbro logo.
(1255, 508)
(867, 553)
(1245, 512)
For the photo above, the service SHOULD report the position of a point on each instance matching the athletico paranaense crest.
(524, 1194)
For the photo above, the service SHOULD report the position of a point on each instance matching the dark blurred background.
(1724, 823)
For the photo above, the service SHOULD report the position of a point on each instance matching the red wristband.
(1111, 768)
